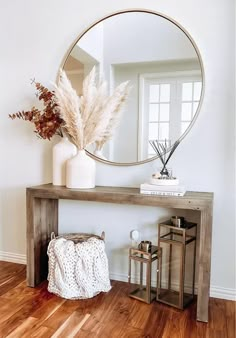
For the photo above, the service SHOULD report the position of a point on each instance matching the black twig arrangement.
(161, 149)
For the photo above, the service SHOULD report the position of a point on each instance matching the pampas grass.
(93, 117)
(69, 107)
(115, 104)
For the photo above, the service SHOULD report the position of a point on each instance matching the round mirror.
(165, 72)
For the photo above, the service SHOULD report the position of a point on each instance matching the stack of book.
(164, 190)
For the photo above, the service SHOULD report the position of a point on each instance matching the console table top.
(124, 195)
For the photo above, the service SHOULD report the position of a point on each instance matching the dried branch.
(47, 122)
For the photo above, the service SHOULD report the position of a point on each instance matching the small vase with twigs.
(161, 149)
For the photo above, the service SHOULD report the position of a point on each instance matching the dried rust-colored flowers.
(47, 122)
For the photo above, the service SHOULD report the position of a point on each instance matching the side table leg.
(42, 219)
(204, 272)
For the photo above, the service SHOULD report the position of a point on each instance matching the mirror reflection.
(164, 71)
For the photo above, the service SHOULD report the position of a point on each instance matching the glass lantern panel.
(136, 282)
(189, 273)
(176, 235)
(169, 274)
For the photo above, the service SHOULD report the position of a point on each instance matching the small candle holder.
(145, 246)
(177, 221)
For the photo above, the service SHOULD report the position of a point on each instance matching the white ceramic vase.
(80, 171)
(61, 152)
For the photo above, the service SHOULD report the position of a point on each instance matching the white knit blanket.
(77, 271)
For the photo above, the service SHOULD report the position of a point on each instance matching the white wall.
(34, 44)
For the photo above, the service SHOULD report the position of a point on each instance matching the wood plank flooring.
(34, 312)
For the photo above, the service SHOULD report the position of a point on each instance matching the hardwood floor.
(34, 312)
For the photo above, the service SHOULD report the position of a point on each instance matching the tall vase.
(80, 171)
(61, 152)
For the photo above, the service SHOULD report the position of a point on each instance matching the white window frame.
(165, 77)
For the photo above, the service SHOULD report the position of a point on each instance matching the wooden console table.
(42, 219)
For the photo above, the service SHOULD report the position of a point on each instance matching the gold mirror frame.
(200, 62)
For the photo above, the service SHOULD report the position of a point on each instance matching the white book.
(154, 187)
(162, 193)
(157, 181)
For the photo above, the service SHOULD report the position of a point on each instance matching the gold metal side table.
(144, 292)
(175, 282)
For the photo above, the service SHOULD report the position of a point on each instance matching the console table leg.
(42, 219)
(204, 272)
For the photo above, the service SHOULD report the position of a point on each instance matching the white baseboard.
(223, 293)
(215, 291)
(12, 257)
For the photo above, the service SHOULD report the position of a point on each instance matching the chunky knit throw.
(77, 271)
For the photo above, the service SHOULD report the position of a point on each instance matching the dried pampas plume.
(93, 117)
(69, 107)
(115, 104)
